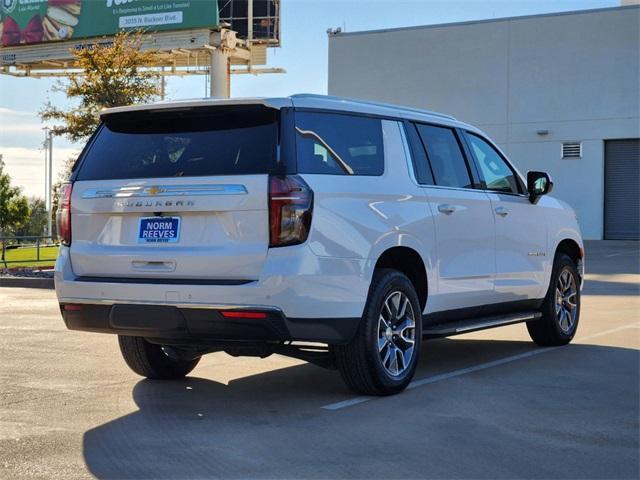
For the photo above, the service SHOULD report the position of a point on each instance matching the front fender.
(562, 224)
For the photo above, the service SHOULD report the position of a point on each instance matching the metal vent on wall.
(572, 150)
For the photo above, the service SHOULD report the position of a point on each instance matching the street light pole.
(46, 169)
(49, 222)
(46, 153)
(49, 189)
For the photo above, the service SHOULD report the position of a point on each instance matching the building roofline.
(487, 20)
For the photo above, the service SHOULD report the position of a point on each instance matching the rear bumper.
(293, 280)
(184, 324)
(306, 298)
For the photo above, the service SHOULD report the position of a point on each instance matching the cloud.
(15, 124)
(20, 129)
(18, 113)
(19, 155)
(25, 128)
(26, 166)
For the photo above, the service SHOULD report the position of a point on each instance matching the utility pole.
(46, 174)
(49, 179)
(162, 84)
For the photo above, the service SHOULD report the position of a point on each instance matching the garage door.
(621, 190)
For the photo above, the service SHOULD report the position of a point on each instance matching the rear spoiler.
(181, 105)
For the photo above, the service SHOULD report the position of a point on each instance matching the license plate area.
(159, 230)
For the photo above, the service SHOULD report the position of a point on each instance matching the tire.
(559, 320)
(148, 359)
(365, 367)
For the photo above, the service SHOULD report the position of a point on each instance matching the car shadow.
(610, 289)
(272, 424)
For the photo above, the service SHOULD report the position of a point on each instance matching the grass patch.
(26, 257)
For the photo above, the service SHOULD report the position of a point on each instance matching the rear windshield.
(222, 141)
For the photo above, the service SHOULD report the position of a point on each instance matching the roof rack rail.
(377, 104)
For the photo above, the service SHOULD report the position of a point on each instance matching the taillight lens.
(290, 209)
(63, 215)
(243, 314)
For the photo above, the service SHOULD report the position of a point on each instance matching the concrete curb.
(27, 282)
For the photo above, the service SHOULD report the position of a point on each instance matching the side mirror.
(538, 184)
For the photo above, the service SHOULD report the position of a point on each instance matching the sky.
(303, 54)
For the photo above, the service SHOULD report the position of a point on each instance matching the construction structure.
(218, 38)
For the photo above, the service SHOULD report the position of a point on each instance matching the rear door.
(521, 230)
(176, 195)
(463, 219)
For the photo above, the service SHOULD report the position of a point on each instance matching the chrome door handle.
(446, 208)
(503, 212)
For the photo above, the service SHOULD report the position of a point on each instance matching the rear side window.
(423, 172)
(445, 156)
(339, 144)
(221, 141)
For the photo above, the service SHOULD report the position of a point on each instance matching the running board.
(481, 323)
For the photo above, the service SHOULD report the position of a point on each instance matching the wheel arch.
(410, 263)
(571, 248)
(575, 251)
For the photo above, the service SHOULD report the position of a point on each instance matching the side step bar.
(473, 324)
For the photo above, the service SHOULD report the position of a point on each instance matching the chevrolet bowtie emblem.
(155, 190)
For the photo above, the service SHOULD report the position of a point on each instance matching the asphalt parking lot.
(484, 405)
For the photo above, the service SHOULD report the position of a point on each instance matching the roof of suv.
(305, 100)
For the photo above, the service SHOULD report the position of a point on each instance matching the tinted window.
(339, 144)
(445, 156)
(422, 169)
(237, 141)
(495, 171)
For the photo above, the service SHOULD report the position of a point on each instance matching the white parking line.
(621, 253)
(475, 368)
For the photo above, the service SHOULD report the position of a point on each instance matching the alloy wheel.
(566, 300)
(396, 333)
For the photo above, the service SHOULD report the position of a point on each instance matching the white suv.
(336, 231)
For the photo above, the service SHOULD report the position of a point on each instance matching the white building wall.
(575, 75)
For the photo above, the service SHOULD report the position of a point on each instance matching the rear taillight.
(63, 215)
(243, 314)
(290, 208)
(71, 307)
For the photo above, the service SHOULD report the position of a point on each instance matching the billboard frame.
(178, 52)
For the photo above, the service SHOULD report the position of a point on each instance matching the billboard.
(265, 19)
(41, 21)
